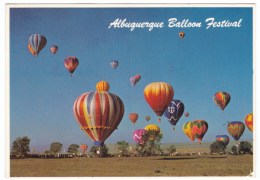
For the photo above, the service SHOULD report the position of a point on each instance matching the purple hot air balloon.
(137, 136)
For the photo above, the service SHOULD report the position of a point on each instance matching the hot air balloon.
(102, 86)
(186, 114)
(153, 130)
(37, 42)
(174, 111)
(182, 34)
(222, 99)
(114, 64)
(187, 130)
(199, 129)
(138, 136)
(222, 138)
(98, 114)
(133, 117)
(54, 49)
(147, 118)
(71, 63)
(135, 79)
(236, 129)
(158, 95)
(31, 50)
(83, 148)
(249, 121)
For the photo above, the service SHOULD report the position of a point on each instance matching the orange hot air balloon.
(102, 86)
(249, 121)
(133, 117)
(182, 34)
(32, 51)
(158, 95)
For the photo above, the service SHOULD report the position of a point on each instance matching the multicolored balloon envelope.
(222, 138)
(158, 95)
(221, 99)
(187, 131)
(98, 114)
(138, 136)
(153, 129)
(135, 79)
(114, 64)
(133, 117)
(249, 121)
(236, 129)
(71, 63)
(199, 129)
(37, 42)
(174, 111)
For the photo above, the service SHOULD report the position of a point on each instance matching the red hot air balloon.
(249, 121)
(98, 114)
(71, 63)
(221, 99)
(158, 95)
(133, 117)
(54, 49)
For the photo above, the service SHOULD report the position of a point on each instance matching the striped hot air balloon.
(102, 86)
(98, 114)
(31, 50)
(221, 99)
(158, 95)
(249, 121)
(37, 42)
(236, 129)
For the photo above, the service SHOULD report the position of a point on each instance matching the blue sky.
(42, 92)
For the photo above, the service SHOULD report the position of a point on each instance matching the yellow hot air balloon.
(102, 86)
(188, 131)
(249, 121)
(158, 95)
(153, 129)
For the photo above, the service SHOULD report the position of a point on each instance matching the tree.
(122, 147)
(171, 149)
(245, 147)
(217, 147)
(56, 147)
(21, 146)
(100, 151)
(151, 145)
(234, 150)
(73, 149)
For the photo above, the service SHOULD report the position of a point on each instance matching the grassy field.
(209, 165)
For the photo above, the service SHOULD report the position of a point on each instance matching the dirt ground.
(208, 165)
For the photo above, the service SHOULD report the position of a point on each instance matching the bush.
(217, 147)
(245, 147)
